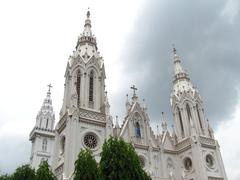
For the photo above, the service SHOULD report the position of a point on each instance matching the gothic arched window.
(47, 124)
(199, 118)
(44, 144)
(188, 112)
(138, 130)
(78, 87)
(62, 144)
(91, 86)
(180, 119)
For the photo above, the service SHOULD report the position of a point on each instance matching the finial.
(49, 88)
(88, 13)
(164, 123)
(174, 49)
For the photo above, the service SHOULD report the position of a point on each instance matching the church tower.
(199, 150)
(85, 121)
(42, 136)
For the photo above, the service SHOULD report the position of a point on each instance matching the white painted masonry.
(189, 151)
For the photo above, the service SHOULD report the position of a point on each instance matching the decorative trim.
(141, 146)
(91, 115)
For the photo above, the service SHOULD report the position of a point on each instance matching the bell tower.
(85, 120)
(199, 150)
(42, 136)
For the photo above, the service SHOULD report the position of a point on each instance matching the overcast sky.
(135, 39)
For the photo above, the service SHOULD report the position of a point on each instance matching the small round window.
(187, 164)
(90, 141)
(209, 160)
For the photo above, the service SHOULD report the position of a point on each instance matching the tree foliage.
(44, 172)
(86, 167)
(120, 161)
(23, 172)
(5, 177)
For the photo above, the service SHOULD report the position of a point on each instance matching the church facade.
(189, 151)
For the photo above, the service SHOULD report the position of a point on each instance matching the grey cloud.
(207, 43)
(14, 152)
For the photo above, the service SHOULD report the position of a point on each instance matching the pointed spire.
(164, 123)
(46, 110)
(144, 105)
(48, 101)
(210, 130)
(181, 80)
(117, 124)
(106, 103)
(87, 37)
(178, 69)
(174, 135)
(87, 26)
(127, 105)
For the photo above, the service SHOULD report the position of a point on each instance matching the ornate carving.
(183, 144)
(59, 170)
(83, 113)
(207, 141)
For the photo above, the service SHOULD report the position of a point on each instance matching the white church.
(188, 152)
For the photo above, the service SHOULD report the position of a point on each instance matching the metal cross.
(134, 89)
(49, 87)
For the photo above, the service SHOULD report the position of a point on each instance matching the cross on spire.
(134, 90)
(174, 49)
(49, 87)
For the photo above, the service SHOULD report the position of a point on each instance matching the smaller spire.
(117, 124)
(164, 123)
(127, 101)
(144, 105)
(49, 88)
(127, 104)
(106, 103)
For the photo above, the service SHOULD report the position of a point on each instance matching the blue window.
(138, 130)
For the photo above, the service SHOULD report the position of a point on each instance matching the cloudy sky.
(135, 38)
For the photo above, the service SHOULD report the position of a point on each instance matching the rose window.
(187, 164)
(209, 161)
(90, 141)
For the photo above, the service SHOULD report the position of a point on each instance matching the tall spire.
(87, 26)
(181, 80)
(47, 103)
(164, 123)
(179, 72)
(87, 36)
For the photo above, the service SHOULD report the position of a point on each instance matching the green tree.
(86, 167)
(23, 172)
(44, 172)
(5, 177)
(120, 161)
